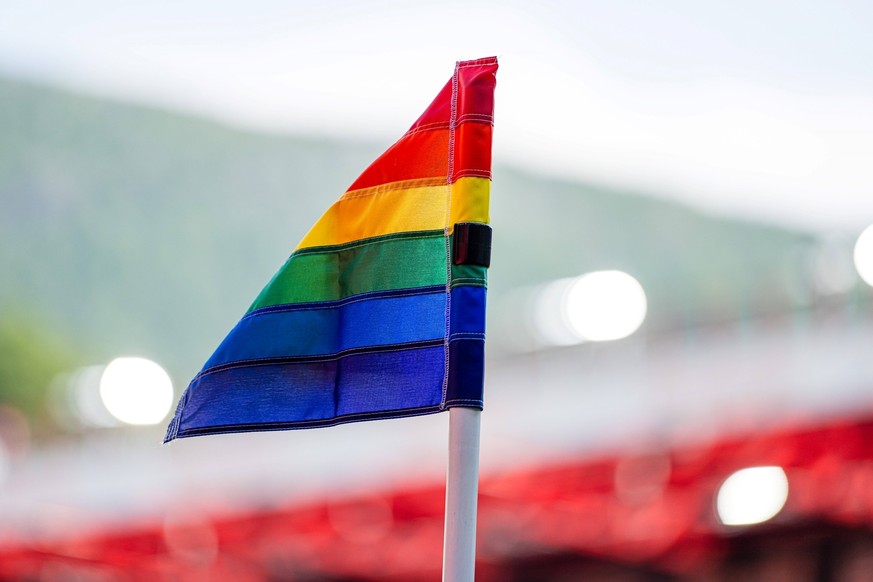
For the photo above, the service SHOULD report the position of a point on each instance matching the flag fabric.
(380, 310)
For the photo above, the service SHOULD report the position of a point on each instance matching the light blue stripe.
(468, 312)
(324, 331)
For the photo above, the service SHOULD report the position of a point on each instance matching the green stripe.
(472, 275)
(403, 261)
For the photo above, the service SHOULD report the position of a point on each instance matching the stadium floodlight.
(752, 495)
(136, 391)
(864, 255)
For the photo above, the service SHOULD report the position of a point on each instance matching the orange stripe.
(401, 207)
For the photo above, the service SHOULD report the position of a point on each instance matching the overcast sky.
(760, 108)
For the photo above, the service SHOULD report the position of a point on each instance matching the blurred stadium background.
(679, 381)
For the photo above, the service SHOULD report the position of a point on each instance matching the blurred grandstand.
(136, 232)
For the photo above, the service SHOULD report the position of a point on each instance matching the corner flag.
(380, 310)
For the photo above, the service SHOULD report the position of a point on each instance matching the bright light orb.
(604, 306)
(136, 391)
(864, 255)
(752, 495)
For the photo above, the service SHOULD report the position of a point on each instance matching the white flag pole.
(462, 490)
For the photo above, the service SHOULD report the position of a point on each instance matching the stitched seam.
(467, 400)
(409, 190)
(465, 118)
(315, 306)
(483, 118)
(477, 62)
(341, 247)
(346, 418)
(392, 187)
(428, 127)
(399, 185)
(333, 304)
(279, 360)
(453, 117)
(418, 183)
(468, 335)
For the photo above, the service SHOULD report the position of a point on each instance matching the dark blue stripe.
(331, 330)
(304, 395)
(466, 374)
(301, 331)
(316, 367)
(468, 311)
(467, 348)
(321, 358)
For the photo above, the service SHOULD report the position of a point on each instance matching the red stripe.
(473, 151)
(416, 155)
(439, 112)
(476, 81)
(424, 155)
(423, 151)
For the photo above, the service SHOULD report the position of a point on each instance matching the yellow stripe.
(470, 200)
(399, 207)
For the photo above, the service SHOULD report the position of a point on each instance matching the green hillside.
(136, 231)
(141, 231)
(694, 266)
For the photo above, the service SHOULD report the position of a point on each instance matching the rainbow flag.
(380, 310)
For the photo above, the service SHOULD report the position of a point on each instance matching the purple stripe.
(302, 395)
